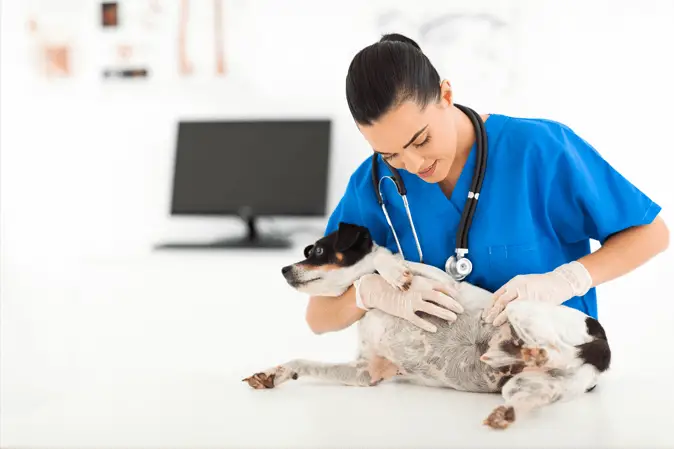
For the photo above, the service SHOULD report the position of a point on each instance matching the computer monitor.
(250, 169)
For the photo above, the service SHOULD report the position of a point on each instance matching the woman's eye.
(426, 140)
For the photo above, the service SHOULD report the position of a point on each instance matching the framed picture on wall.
(110, 14)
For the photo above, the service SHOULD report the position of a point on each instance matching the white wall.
(86, 165)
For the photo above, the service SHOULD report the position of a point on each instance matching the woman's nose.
(412, 161)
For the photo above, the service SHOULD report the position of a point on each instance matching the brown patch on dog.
(260, 381)
(501, 417)
(534, 356)
(339, 256)
(408, 281)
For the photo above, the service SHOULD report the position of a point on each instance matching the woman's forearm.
(328, 314)
(625, 251)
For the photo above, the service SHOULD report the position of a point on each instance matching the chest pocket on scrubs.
(507, 261)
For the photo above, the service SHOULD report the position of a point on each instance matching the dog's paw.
(394, 271)
(534, 356)
(501, 417)
(404, 280)
(270, 378)
(261, 381)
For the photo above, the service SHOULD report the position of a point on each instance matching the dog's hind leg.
(355, 373)
(565, 338)
(533, 389)
(504, 348)
(558, 332)
(526, 391)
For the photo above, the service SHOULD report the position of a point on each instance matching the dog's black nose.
(285, 270)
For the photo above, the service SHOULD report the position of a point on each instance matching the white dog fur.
(542, 354)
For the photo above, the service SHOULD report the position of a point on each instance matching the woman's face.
(420, 142)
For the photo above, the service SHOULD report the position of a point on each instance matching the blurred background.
(109, 322)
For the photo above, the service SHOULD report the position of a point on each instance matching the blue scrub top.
(545, 194)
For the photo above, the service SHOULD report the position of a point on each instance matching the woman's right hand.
(373, 292)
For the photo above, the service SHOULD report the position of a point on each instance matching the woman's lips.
(429, 171)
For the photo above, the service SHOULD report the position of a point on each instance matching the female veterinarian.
(545, 193)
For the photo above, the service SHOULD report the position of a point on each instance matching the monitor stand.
(252, 240)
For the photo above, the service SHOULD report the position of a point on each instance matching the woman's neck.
(465, 138)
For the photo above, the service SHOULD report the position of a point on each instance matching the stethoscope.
(458, 266)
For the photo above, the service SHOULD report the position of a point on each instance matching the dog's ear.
(348, 235)
(307, 250)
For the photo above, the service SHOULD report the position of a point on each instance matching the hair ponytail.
(387, 73)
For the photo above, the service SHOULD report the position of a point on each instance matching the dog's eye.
(318, 251)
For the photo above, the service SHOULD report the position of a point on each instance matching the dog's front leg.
(355, 373)
(398, 272)
(431, 272)
(393, 269)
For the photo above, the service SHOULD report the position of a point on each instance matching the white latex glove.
(555, 287)
(373, 292)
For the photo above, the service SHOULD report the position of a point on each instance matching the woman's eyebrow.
(414, 137)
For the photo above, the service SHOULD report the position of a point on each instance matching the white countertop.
(149, 351)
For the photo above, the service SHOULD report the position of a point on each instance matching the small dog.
(542, 354)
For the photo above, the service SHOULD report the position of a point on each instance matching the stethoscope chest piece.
(458, 269)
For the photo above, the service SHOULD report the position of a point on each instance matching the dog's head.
(333, 262)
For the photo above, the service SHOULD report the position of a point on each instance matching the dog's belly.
(449, 357)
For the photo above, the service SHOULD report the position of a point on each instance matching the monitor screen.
(277, 167)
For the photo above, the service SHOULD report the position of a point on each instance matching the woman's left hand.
(555, 287)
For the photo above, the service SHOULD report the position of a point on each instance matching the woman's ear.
(446, 93)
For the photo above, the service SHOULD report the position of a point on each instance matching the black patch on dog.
(503, 380)
(344, 247)
(595, 329)
(348, 236)
(353, 242)
(597, 353)
(509, 371)
(512, 347)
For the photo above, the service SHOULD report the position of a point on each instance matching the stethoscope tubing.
(476, 183)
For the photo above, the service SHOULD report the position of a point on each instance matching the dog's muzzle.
(290, 275)
(296, 277)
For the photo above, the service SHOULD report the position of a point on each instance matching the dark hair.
(387, 73)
